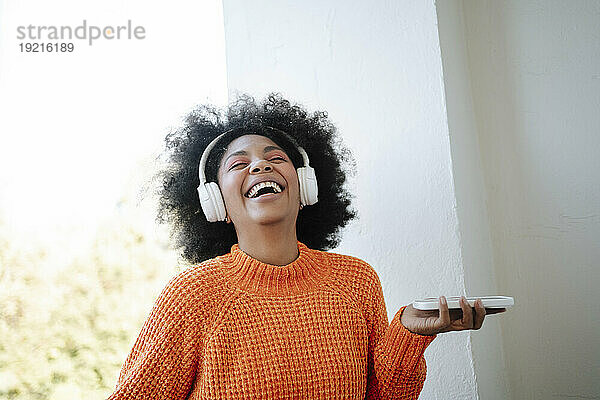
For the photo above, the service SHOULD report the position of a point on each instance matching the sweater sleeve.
(396, 365)
(162, 363)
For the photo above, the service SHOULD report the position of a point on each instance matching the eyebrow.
(245, 153)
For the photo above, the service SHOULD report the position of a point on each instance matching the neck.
(269, 244)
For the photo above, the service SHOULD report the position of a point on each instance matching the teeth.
(261, 185)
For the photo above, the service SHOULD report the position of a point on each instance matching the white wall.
(470, 192)
(535, 79)
(376, 68)
(517, 163)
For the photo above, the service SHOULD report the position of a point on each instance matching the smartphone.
(431, 303)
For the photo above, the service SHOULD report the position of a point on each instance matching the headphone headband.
(213, 143)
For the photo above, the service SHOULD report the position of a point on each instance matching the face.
(251, 159)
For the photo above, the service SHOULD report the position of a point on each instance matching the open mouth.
(264, 188)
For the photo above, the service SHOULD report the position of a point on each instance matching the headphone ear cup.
(309, 191)
(211, 201)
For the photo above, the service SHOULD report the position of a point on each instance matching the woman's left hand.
(432, 322)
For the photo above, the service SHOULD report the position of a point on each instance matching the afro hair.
(318, 226)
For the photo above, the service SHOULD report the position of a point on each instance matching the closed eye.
(244, 163)
(235, 165)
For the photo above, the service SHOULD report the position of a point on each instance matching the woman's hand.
(432, 322)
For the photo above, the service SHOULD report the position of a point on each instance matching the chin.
(270, 218)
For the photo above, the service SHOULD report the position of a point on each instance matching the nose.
(261, 166)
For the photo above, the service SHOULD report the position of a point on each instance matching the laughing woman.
(255, 198)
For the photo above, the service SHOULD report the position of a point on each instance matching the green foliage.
(69, 316)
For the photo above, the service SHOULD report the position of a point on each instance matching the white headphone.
(211, 199)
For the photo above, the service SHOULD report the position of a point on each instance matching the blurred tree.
(66, 327)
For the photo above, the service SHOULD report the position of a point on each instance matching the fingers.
(444, 318)
(467, 319)
(479, 314)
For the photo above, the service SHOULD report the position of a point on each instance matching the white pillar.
(535, 78)
(469, 182)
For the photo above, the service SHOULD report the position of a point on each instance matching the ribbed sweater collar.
(304, 274)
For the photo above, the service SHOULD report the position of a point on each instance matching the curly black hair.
(318, 226)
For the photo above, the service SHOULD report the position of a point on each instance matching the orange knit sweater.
(235, 328)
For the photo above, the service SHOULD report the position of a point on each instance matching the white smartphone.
(431, 303)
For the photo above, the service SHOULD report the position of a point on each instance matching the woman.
(266, 312)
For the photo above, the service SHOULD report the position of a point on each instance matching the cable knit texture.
(233, 327)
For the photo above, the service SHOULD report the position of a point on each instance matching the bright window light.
(75, 125)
